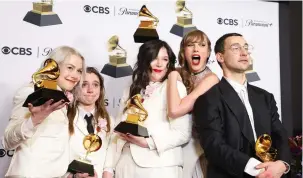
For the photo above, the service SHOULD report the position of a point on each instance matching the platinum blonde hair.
(62, 53)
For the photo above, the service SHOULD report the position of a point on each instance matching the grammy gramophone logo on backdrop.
(251, 75)
(147, 27)
(184, 20)
(117, 66)
(42, 14)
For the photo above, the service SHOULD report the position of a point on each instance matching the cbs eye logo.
(227, 21)
(4, 152)
(96, 9)
(16, 51)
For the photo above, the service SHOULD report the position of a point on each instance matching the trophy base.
(180, 30)
(252, 76)
(81, 167)
(143, 35)
(42, 19)
(42, 95)
(116, 72)
(134, 129)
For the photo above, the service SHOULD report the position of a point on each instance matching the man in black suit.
(231, 116)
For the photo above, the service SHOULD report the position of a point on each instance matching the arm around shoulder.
(179, 132)
(205, 84)
(186, 104)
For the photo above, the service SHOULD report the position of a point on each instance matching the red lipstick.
(157, 70)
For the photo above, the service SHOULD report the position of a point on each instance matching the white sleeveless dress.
(195, 163)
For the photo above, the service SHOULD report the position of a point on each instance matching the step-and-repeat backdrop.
(88, 26)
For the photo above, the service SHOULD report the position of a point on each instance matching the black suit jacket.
(225, 132)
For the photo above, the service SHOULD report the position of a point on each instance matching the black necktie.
(90, 127)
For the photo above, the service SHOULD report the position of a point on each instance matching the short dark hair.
(147, 53)
(219, 46)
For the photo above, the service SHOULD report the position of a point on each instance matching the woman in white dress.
(194, 52)
(88, 115)
(159, 155)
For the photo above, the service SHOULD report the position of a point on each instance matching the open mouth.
(196, 59)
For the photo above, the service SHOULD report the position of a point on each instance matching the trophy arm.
(156, 21)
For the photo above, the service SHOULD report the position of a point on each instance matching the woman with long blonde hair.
(195, 49)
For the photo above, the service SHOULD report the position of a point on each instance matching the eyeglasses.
(236, 48)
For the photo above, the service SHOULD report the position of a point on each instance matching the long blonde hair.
(62, 53)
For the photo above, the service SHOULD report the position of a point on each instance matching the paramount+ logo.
(228, 21)
(96, 9)
(16, 51)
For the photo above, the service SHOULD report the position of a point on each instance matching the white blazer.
(167, 134)
(42, 153)
(76, 143)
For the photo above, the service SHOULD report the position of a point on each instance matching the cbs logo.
(96, 9)
(227, 21)
(106, 102)
(4, 152)
(16, 51)
(115, 102)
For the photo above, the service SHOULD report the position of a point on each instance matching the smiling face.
(70, 72)
(159, 66)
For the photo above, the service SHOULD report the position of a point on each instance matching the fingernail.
(128, 134)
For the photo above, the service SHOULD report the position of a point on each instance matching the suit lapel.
(237, 107)
(80, 124)
(254, 100)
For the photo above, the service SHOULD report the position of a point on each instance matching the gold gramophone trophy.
(117, 66)
(184, 20)
(251, 75)
(91, 142)
(264, 150)
(147, 27)
(136, 115)
(45, 85)
(42, 14)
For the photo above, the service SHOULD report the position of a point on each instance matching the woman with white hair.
(39, 134)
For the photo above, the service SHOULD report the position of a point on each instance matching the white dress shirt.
(97, 158)
(243, 94)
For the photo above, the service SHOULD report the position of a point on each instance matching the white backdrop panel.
(89, 32)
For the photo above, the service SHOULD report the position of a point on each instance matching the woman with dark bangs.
(195, 49)
(159, 155)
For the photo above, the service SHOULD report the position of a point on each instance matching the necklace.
(197, 73)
